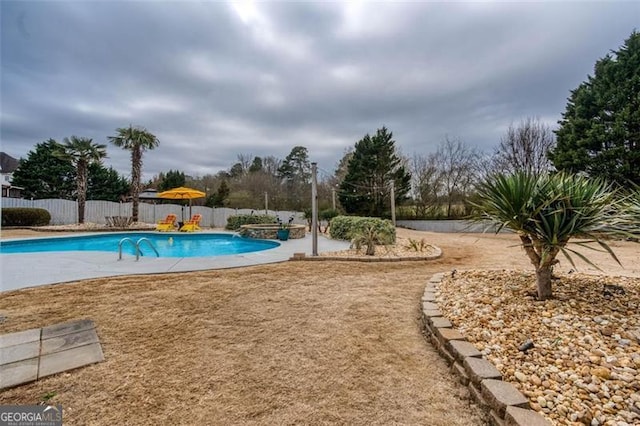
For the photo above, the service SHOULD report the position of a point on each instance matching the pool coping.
(35, 269)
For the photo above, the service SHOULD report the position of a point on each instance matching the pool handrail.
(121, 242)
(136, 245)
(141, 240)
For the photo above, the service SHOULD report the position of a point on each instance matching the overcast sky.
(213, 80)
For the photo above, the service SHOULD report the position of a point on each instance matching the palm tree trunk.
(82, 191)
(136, 166)
(543, 267)
(371, 249)
(543, 282)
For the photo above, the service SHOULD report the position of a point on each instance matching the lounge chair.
(193, 224)
(167, 224)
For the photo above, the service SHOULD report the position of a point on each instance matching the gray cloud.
(214, 80)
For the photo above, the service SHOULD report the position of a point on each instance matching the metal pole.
(266, 202)
(393, 204)
(333, 198)
(314, 209)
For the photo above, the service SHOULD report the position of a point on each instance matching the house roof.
(8, 164)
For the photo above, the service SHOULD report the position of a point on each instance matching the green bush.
(349, 227)
(235, 222)
(328, 214)
(25, 216)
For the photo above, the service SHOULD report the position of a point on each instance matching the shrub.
(25, 216)
(349, 227)
(328, 214)
(235, 222)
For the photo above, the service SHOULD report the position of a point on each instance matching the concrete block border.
(505, 405)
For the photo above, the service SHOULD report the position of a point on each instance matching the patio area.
(34, 269)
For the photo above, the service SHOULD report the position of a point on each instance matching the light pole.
(314, 209)
(266, 202)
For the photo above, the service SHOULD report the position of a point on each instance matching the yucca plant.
(547, 211)
(369, 237)
(627, 222)
(417, 245)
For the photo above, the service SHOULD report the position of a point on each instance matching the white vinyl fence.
(65, 212)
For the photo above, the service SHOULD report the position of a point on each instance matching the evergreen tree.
(600, 130)
(256, 166)
(236, 171)
(296, 166)
(173, 179)
(295, 171)
(218, 199)
(106, 184)
(375, 164)
(44, 175)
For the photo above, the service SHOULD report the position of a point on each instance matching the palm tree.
(546, 212)
(81, 152)
(137, 140)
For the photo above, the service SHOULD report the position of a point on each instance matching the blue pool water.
(168, 245)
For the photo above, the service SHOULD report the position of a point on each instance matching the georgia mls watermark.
(30, 415)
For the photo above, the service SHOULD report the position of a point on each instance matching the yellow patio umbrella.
(182, 193)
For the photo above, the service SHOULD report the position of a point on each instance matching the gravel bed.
(584, 363)
(403, 248)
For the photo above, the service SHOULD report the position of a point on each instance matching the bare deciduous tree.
(458, 163)
(425, 182)
(271, 164)
(524, 148)
(245, 161)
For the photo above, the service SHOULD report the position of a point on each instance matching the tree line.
(598, 136)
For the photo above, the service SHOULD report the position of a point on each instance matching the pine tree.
(173, 179)
(375, 164)
(218, 199)
(44, 175)
(600, 130)
(106, 184)
(295, 171)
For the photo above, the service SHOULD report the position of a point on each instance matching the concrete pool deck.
(35, 269)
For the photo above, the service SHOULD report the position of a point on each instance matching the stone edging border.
(504, 403)
(303, 256)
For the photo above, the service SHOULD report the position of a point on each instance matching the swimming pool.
(167, 245)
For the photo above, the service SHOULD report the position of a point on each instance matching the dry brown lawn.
(292, 343)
